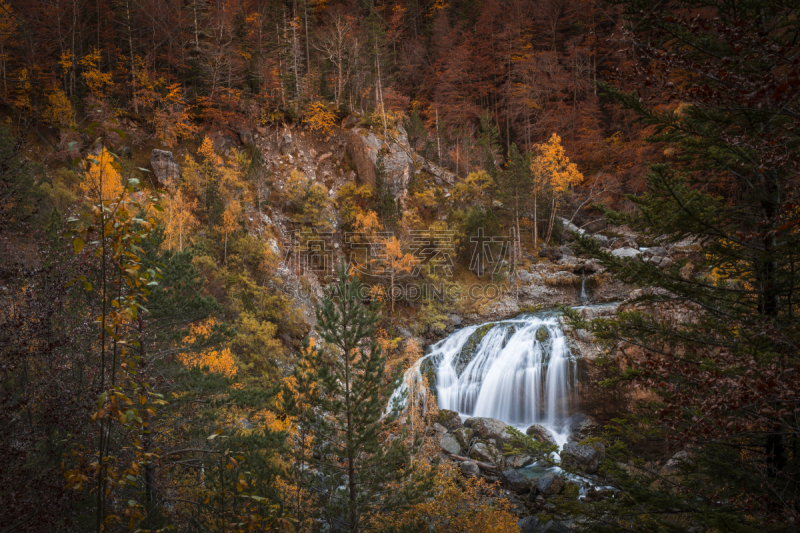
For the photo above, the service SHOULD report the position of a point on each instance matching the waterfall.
(519, 371)
(584, 297)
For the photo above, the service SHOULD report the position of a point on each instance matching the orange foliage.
(216, 361)
(101, 181)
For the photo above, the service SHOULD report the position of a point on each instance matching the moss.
(471, 346)
(542, 334)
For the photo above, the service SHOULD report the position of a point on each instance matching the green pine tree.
(720, 352)
(347, 414)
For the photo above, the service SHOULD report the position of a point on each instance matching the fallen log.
(482, 466)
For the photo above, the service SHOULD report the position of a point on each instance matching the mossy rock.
(542, 335)
(471, 347)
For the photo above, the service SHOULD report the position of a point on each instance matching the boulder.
(349, 122)
(584, 457)
(524, 276)
(364, 146)
(533, 524)
(625, 252)
(455, 320)
(666, 262)
(450, 419)
(438, 428)
(624, 242)
(470, 469)
(286, 144)
(513, 481)
(602, 240)
(441, 176)
(541, 433)
(489, 428)
(223, 141)
(487, 453)
(519, 461)
(655, 251)
(464, 436)
(165, 168)
(246, 136)
(566, 251)
(449, 444)
(549, 484)
(581, 426)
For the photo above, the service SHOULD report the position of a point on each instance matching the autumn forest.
(465, 266)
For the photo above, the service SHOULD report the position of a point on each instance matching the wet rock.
(450, 419)
(533, 524)
(541, 433)
(584, 457)
(512, 480)
(464, 437)
(449, 444)
(519, 461)
(165, 168)
(582, 426)
(549, 484)
(470, 469)
(625, 252)
(487, 453)
(489, 428)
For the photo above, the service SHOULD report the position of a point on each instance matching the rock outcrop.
(489, 428)
(364, 146)
(541, 433)
(165, 168)
(584, 457)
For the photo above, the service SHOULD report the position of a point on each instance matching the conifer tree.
(364, 472)
(723, 359)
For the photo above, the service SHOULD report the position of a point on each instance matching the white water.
(522, 373)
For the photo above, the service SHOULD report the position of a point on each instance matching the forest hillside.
(402, 265)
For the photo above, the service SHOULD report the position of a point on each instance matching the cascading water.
(584, 296)
(519, 371)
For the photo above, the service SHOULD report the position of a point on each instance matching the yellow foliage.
(178, 219)
(476, 189)
(460, 506)
(310, 199)
(59, 109)
(351, 199)
(320, 119)
(65, 61)
(22, 91)
(101, 180)
(554, 167)
(217, 362)
(172, 120)
(96, 81)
